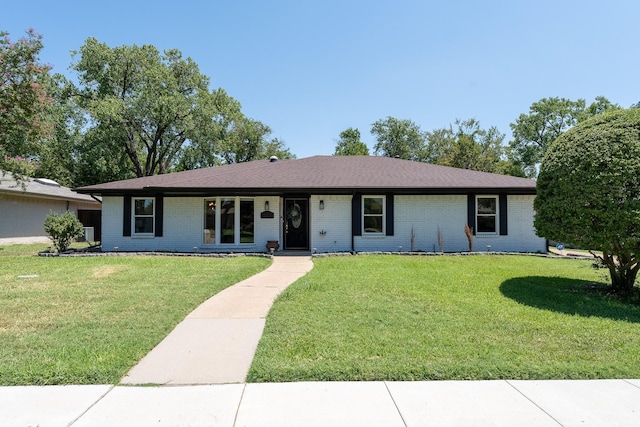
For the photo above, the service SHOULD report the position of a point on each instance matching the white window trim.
(133, 218)
(496, 215)
(384, 216)
(236, 221)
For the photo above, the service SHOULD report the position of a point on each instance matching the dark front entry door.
(296, 224)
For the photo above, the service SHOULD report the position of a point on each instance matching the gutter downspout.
(95, 198)
(353, 237)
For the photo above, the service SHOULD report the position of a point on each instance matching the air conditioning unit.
(88, 234)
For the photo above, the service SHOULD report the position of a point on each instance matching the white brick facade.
(183, 227)
(425, 214)
(330, 228)
(334, 222)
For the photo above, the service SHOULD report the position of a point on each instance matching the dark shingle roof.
(321, 174)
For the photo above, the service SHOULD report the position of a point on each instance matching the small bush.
(63, 229)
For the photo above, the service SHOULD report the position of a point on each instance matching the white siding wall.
(183, 227)
(24, 216)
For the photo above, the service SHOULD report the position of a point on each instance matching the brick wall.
(330, 228)
(183, 227)
(334, 222)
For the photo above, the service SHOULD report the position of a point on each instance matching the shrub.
(589, 192)
(62, 229)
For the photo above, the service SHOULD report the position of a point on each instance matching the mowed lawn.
(72, 320)
(381, 317)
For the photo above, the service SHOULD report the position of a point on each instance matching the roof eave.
(47, 196)
(256, 191)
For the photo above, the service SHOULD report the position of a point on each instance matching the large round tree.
(589, 192)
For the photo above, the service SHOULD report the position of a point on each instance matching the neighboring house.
(321, 204)
(23, 210)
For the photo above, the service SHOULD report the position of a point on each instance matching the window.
(246, 221)
(373, 214)
(486, 215)
(143, 216)
(210, 221)
(224, 223)
(227, 221)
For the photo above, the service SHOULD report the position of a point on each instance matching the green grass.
(378, 317)
(89, 320)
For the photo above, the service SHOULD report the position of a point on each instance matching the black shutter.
(356, 215)
(159, 215)
(471, 211)
(126, 216)
(502, 203)
(389, 212)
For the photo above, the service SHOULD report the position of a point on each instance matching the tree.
(350, 144)
(98, 158)
(24, 102)
(468, 146)
(62, 229)
(56, 158)
(600, 106)
(150, 105)
(398, 138)
(277, 147)
(245, 141)
(546, 121)
(588, 192)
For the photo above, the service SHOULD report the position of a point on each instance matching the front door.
(296, 224)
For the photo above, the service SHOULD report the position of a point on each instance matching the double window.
(143, 216)
(373, 212)
(487, 214)
(228, 220)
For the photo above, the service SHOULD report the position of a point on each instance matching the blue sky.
(311, 69)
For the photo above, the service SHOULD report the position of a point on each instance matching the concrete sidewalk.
(215, 344)
(611, 403)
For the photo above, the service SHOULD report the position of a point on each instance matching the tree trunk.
(623, 269)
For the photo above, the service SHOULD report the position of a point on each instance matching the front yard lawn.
(72, 320)
(381, 317)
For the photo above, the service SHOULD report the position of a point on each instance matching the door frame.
(307, 222)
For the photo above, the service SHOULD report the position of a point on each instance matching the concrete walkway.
(215, 344)
(611, 403)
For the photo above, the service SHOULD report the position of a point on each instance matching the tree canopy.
(547, 119)
(468, 146)
(399, 138)
(588, 192)
(25, 124)
(350, 144)
(150, 104)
